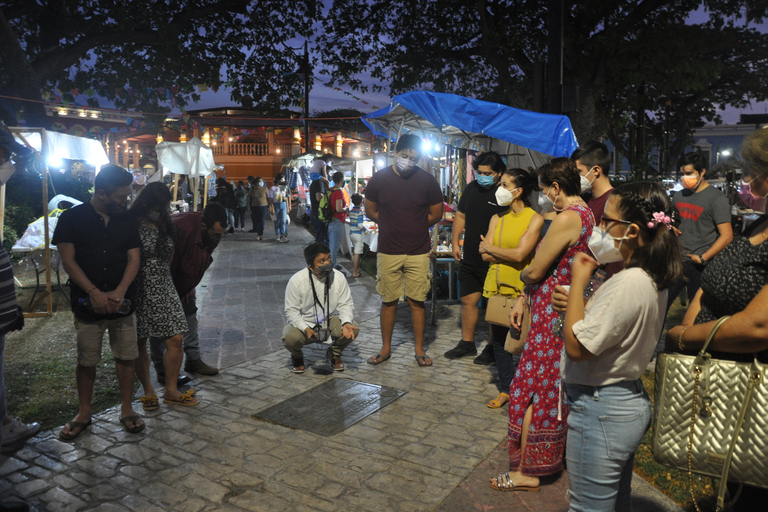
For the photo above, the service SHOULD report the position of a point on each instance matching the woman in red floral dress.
(537, 418)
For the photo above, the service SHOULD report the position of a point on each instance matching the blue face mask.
(485, 181)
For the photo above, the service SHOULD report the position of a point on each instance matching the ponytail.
(647, 205)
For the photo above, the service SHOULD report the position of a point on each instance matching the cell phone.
(514, 332)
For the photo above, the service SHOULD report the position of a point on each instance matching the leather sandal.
(500, 400)
(504, 483)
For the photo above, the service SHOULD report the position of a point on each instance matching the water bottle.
(597, 279)
(125, 307)
(461, 243)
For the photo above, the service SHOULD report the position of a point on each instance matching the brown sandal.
(149, 402)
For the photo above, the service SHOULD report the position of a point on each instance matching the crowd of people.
(591, 268)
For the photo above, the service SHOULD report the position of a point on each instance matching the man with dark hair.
(405, 201)
(594, 162)
(99, 247)
(317, 190)
(476, 207)
(704, 222)
(198, 235)
(318, 306)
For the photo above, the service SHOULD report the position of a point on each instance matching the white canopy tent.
(53, 147)
(193, 159)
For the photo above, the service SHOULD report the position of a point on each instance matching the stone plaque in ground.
(331, 407)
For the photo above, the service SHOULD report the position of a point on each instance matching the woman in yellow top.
(509, 246)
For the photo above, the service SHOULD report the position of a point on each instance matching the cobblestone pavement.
(432, 449)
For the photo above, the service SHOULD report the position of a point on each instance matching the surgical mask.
(691, 182)
(603, 247)
(745, 193)
(586, 185)
(485, 181)
(504, 196)
(404, 164)
(325, 270)
(547, 205)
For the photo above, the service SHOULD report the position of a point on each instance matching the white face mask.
(586, 185)
(547, 205)
(603, 247)
(404, 165)
(504, 196)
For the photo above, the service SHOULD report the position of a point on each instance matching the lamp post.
(726, 153)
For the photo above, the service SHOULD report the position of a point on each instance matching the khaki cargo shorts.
(398, 271)
(122, 339)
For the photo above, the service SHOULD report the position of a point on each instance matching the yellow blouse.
(515, 224)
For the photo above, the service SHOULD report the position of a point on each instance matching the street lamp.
(726, 153)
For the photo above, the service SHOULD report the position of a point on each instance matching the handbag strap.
(498, 283)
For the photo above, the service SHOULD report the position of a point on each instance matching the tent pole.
(175, 186)
(2, 210)
(196, 195)
(205, 191)
(47, 234)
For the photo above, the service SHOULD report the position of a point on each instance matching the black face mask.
(324, 270)
(210, 239)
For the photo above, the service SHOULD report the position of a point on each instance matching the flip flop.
(504, 483)
(372, 360)
(422, 361)
(134, 418)
(149, 402)
(72, 425)
(186, 399)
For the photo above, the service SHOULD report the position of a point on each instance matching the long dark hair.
(155, 197)
(660, 256)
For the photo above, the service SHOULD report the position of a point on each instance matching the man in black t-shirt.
(317, 189)
(476, 207)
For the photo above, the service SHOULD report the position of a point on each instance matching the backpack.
(324, 212)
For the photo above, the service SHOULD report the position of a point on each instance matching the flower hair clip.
(660, 218)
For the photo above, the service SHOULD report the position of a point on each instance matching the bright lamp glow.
(55, 162)
(426, 146)
(726, 152)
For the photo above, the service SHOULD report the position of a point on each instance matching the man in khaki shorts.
(100, 249)
(405, 201)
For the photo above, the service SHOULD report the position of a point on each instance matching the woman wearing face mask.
(508, 246)
(537, 431)
(280, 206)
(609, 343)
(159, 313)
(736, 283)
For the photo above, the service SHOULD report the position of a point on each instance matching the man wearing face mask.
(405, 201)
(100, 250)
(318, 307)
(704, 227)
(594, 162)
(477, 205)
(198, 234)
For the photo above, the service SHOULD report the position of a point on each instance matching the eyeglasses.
(605, 219)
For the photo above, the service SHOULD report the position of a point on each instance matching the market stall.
(50, 146)
(193, 159)
(454, 129)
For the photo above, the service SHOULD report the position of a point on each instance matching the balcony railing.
(251, 149)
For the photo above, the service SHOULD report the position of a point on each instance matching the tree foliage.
(624, 55)
(131, 52)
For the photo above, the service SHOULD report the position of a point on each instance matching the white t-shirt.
(621, 328)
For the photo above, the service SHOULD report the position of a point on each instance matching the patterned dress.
(537, 381)
(158, 308)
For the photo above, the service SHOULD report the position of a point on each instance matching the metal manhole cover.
(331, 407)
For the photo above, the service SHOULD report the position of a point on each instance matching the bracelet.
(680, 339)
(89, 291)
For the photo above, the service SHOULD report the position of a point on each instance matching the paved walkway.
(432, 449)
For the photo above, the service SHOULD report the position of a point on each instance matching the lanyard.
(317, 301)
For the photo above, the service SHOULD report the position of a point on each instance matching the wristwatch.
(704, 262)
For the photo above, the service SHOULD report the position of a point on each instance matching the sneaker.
(284, 239)
(198, 366)
(15, 431)
(464, 348)
(486, 357)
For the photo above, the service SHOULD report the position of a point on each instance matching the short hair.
(696, 159)
(214, 212)
(312, 250)
(356, 199)
(592, 154)
(409, 141)
(240, 183)
(492, 160)
(111, 177)
(562, 171)
(338, 177)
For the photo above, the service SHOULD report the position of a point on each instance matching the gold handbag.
(516, 345)
(711, 417)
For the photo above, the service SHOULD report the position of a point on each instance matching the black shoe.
(486, 357)
(231, 230)
(464, 348)
(183, 379)
(251, 230)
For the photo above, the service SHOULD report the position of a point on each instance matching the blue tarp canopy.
(529, 136)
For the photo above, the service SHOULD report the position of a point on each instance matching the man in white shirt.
(318, 306)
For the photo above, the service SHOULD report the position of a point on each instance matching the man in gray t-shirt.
(704, 223)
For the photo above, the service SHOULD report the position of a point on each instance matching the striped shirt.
(355, 221)
(8, 304)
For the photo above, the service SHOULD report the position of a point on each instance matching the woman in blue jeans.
(609, 342)
(280, 206)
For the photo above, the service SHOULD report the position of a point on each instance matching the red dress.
(537, 381)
